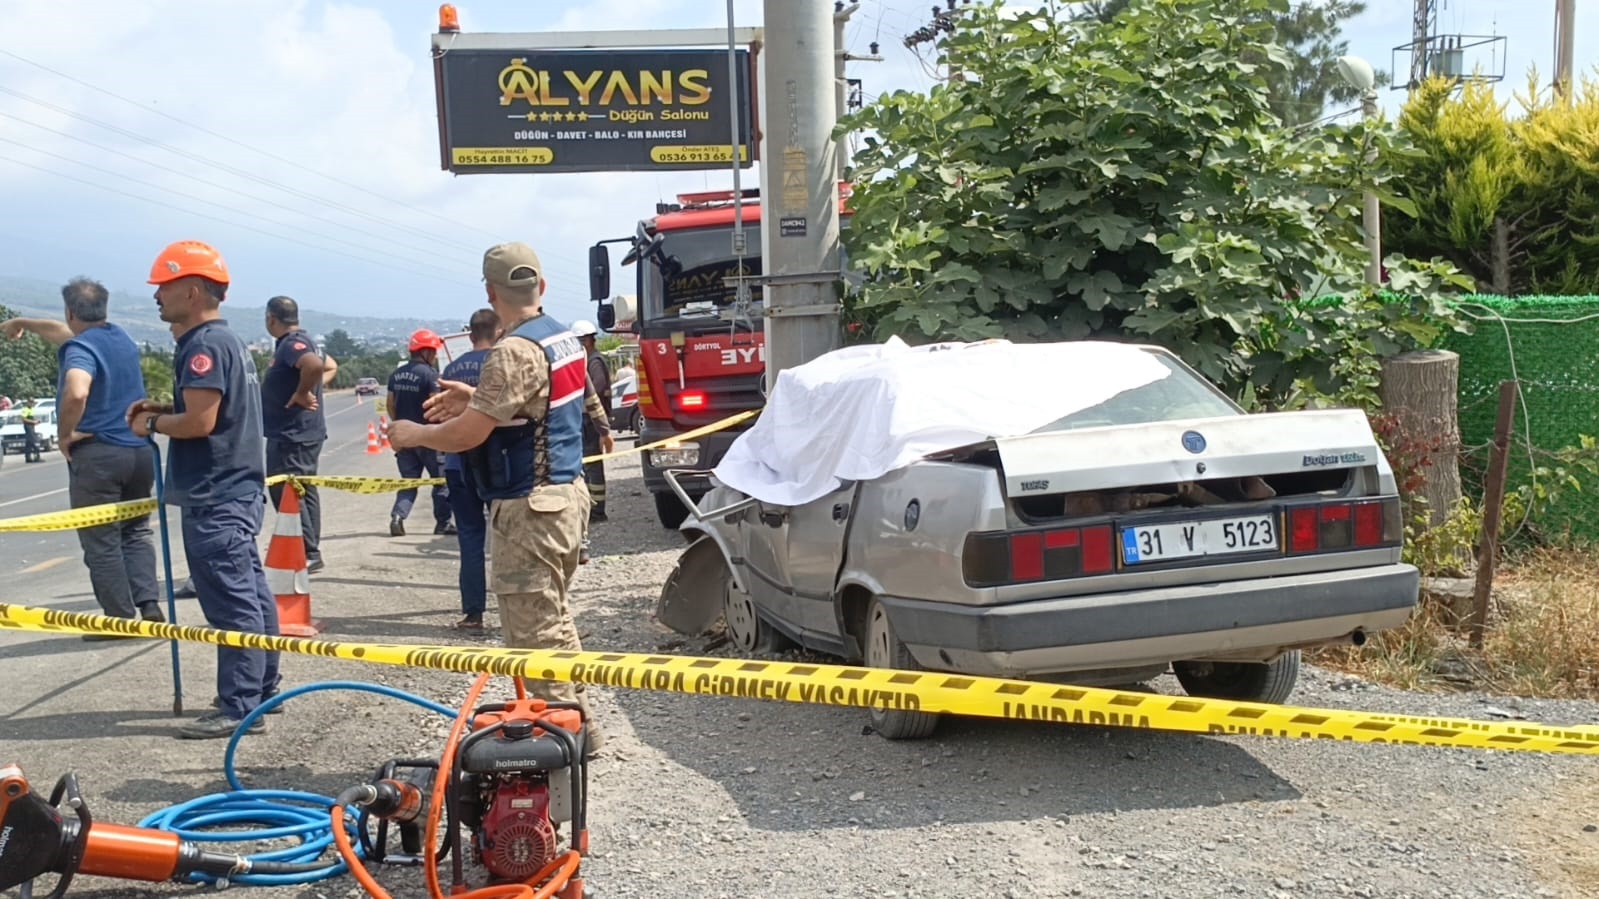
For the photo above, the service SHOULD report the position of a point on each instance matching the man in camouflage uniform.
(520, 434)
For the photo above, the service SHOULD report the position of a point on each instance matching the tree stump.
(1421, 390)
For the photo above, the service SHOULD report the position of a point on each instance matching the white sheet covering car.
(918, 508)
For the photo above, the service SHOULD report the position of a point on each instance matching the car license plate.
(1188, 539)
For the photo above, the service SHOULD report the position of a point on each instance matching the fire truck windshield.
(689, 276)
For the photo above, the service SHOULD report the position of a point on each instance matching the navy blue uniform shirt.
(281, 421)
(466, 369)
(230, 463)
(111, 359)
(409, 386)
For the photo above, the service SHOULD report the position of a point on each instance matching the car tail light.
(1020, 557)
(691, 399)
(1330, 527)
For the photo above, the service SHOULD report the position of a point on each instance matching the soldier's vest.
(503, 466)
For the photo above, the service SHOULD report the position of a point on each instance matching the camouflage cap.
(512, 265)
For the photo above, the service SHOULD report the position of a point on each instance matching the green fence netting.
(1551, 344)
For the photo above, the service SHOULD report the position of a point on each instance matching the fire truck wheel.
(670, 510)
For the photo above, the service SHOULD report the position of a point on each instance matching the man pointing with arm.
(521, 437)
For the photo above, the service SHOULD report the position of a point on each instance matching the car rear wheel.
(1269, 682)
(883, 650)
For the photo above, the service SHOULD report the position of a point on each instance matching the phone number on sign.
(502, 155)
(697, 154)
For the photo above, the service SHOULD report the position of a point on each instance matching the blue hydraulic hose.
(274, 814)
(172, 596)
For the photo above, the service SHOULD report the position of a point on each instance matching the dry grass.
(1542, 639)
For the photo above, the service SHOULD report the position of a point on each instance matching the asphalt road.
(46, 569)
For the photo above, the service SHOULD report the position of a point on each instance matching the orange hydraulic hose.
(430, 861)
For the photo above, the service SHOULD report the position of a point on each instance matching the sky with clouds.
(300, 137)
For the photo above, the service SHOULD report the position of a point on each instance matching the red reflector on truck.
(691, 399)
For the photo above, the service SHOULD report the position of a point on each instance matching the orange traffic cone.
(372, 448)
(383, 430)
(286, 573)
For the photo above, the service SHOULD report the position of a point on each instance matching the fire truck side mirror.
(599, 273)
(605, 313)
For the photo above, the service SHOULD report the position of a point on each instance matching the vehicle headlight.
(676, 456)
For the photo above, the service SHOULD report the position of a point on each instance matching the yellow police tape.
(111, 513)
(839, 685)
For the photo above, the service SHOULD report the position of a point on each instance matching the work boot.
(396, 526)
(216, 703)
(151, 612)
(469, 623)
(314, 565)
(446, 528)
(215, 726)
(597, 513)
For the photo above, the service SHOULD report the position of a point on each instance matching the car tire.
(884, 650)
(635, 420)
(1269, 682)
(748, 632)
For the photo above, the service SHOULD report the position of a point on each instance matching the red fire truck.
(702, 355)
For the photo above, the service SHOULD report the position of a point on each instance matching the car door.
(793, 553)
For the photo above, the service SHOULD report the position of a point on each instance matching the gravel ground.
(739, 798)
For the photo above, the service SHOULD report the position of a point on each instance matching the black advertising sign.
(590, 110)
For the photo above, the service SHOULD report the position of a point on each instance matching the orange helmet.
(189, 257)
(425, 340)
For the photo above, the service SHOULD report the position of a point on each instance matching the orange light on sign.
(449, 19)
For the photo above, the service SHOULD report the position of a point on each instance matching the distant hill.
(137, 315)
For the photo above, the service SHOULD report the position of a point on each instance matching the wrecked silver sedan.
(909, 507)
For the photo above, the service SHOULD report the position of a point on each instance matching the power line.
(402, 261)
(199, 180)
(101, 90)
(434, 239)
(241, 173)
(185, 211)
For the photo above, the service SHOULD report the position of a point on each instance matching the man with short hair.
(99, 379)
(521, 431)
(216, 475)
(292, 417)
(409, 387)
(469, 508)
(599, 374)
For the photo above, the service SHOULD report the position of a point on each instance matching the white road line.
(45, 565)
(12, 502)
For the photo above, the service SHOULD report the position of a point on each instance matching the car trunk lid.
(1238, 446)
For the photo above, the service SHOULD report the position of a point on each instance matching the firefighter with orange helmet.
(409, 387)
(216, 474)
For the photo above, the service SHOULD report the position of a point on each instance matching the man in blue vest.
(470, 510)
(521, 431)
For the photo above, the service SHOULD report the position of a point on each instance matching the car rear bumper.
(1253, 619)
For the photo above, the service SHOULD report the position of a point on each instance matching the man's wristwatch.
(149, 423)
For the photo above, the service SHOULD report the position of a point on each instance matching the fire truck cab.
(702, 353)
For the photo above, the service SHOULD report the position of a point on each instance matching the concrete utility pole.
(799, 186)
(841, 104)
(1565, 48)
